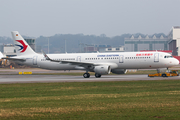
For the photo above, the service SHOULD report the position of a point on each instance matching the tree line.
(75, 42)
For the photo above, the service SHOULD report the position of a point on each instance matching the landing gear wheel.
(97, 75)
(86, 75)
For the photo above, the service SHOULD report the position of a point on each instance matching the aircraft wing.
(84, 64)
(79, 63)
(15, 59)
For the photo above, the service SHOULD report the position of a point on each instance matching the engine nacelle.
(102, 70)
(119, 71)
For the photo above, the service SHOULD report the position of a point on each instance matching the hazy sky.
(110, 17)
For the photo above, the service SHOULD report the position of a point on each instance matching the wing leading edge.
(83, 64)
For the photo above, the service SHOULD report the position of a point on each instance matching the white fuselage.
(100, 63)
(116, 60)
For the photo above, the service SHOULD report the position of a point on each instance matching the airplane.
(100, 63)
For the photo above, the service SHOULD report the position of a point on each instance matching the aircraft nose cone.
(176, 62)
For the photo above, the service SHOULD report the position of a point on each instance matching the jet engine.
(119, 71)
(102, 70)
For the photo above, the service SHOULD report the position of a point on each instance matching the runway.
(8, 76)
(7, 79)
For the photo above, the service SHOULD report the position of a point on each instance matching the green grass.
(91, 100)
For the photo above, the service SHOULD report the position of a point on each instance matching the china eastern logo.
(23, 46)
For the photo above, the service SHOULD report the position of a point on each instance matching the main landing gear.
(97, 75)
(87, 75)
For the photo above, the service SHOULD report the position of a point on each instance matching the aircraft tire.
(86, 75)
(97, 75)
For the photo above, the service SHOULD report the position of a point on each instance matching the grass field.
(94, 100)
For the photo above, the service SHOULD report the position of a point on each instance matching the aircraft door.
(35, 60)
(156, 57)
(121, 58)
(79, 58)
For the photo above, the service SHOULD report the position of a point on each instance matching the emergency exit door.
(79, 58)
(35, 60)
(121, 58)
(156, 57)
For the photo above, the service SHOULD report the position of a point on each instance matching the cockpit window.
(168, 56)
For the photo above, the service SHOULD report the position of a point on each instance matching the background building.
(112, 49)
(146, 43)
(9, 50)
(170, 42)
(102, 48)
(31, 43)
(174, 40)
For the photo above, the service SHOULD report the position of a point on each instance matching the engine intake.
(102, 70)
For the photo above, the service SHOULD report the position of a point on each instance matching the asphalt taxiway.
(4, 79)
(11, 76)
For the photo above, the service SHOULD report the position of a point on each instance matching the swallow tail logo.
(23, 46)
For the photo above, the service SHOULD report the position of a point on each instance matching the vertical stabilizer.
(21, 46)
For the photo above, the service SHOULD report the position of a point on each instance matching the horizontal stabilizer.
(1, 55)
(15, 59)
